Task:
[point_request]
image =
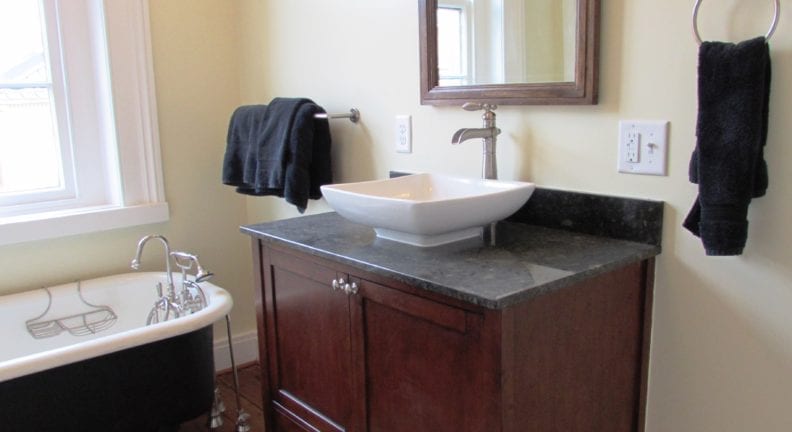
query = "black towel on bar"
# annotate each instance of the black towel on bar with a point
(728, 162)
(244, 126)
(279, 149)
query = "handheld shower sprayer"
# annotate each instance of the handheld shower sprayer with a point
(185, 262)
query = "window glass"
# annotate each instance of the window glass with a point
(29, 148)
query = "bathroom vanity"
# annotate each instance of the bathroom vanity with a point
(547, 331)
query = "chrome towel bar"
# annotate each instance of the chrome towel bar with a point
(353, 115)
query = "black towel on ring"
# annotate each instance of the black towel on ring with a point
(728, 162)
(279, 149)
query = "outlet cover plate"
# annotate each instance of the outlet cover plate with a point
(643, 146)
(403, 134)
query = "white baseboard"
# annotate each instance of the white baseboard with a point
(245, 350)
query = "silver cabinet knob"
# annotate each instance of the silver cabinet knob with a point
(341, 285)
(351, 289)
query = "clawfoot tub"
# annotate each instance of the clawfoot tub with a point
(80, 357)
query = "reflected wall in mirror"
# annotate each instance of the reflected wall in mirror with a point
(509, 52)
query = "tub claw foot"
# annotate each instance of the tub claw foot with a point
(215, 421)
(242, 424)
(216, 413)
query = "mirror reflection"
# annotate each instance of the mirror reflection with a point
(505, 41)
(509, 52)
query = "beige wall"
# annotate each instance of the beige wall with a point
(722, 341)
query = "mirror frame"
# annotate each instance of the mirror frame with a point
(583, 91)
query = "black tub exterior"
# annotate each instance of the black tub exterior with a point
(153, 387)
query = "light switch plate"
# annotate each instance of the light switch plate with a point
(642, 147)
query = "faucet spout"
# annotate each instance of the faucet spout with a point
(135, 264)
(489, 136)
(465, 134)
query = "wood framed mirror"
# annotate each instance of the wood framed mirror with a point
(509, 52)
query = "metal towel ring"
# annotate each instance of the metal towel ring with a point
(767, 36)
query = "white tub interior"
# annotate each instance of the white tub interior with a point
(131, 296)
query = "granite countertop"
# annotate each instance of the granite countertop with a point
(527, 261)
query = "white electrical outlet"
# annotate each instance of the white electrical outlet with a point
(633, 146)
(642, 147)
(403, 134)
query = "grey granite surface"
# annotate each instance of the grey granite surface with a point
(631, 219)
(527, 261)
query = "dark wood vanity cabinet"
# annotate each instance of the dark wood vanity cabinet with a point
(374, 354)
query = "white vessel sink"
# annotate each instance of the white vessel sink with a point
(427, 209)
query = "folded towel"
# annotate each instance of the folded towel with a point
(728, 162)
(279, 149)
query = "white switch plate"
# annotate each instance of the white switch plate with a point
(643, 147)
(403, 134)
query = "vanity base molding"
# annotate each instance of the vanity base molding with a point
(343, 349)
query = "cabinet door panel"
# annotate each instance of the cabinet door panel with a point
(312, 343)
(418, 370)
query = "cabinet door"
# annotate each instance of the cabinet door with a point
(308, 344)
(421, 362)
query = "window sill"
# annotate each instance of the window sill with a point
(44, 226)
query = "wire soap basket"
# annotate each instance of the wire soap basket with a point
(72, 313)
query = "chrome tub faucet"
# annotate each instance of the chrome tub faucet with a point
(190, 297)
(135, 264)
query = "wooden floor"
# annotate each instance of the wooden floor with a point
(250, 397)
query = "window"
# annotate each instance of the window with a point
(79, 150)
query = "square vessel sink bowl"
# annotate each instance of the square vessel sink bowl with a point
(427, 209)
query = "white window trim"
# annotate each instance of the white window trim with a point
(137, 135)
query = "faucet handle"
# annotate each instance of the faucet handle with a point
(476, 106)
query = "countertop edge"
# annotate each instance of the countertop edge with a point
(495, 304)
